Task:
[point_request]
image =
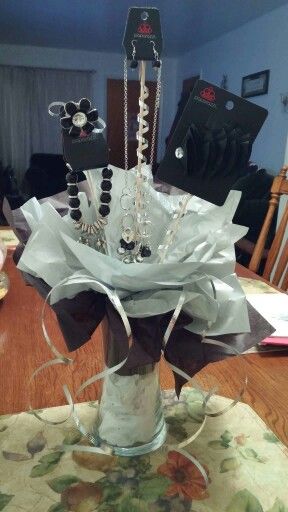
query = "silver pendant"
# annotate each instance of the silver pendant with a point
(84, 240)
(128, 259)
(128, 235)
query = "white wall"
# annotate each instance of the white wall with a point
(106, 65)
(258, 45)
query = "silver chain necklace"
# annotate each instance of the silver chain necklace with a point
(137, 231)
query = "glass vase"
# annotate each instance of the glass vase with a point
(131, 419)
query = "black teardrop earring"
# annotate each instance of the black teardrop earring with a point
(156, 62)
(134, 61)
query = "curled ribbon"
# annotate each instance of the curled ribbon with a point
(173, 228)
(61, 359)
(143, 124)
(206, 398)
(141, 196)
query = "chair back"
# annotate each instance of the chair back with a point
(278, 252)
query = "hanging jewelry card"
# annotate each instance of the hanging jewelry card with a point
(212, 143)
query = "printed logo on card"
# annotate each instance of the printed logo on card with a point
(208, 94)
(145, 29)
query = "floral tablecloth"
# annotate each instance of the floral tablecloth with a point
(250, 285)
(247, 465)
(9, 238)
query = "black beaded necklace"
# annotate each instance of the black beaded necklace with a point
(91, 234)
(77, 119)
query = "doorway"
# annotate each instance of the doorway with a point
(187, 88)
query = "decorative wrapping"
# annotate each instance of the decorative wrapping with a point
(202, 252)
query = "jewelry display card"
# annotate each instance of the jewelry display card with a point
(84, 146)
(212, 143)
(90, 152)
(142, 29)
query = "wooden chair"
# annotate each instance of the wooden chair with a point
(279, 187)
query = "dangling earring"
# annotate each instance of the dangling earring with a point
(156, 62)
(134, 61)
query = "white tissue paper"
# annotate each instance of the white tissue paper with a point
(202, 250)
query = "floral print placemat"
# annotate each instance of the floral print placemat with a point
(250, 285)
(9, 238)
(247, 465)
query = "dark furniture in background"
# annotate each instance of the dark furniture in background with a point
(45, 176)
(9, 188)
(280, 277)
(255, 186)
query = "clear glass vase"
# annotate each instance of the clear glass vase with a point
(131, 419)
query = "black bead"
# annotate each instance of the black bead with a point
(107, 173)
(123, 243)
(75, 215)
(71, 177)
(72, 190)
(145, 252)
(74, 202)
(134, 64)
(104, 210)
(156, 64)
(106, 185)
(130, 246)
(105, 197)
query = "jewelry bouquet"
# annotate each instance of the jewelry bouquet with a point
(158, 268)
(195, 275)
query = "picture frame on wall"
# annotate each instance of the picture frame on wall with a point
(255, 84)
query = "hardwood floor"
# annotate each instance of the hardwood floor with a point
(23, 349)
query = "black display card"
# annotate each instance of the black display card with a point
(212, 143)
(87, 152)
(143, 28)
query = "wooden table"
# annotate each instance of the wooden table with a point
(23, 349)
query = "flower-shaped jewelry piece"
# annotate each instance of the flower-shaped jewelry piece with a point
(78, 117)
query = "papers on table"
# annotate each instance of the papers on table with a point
(275, 341)
(273, 307)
